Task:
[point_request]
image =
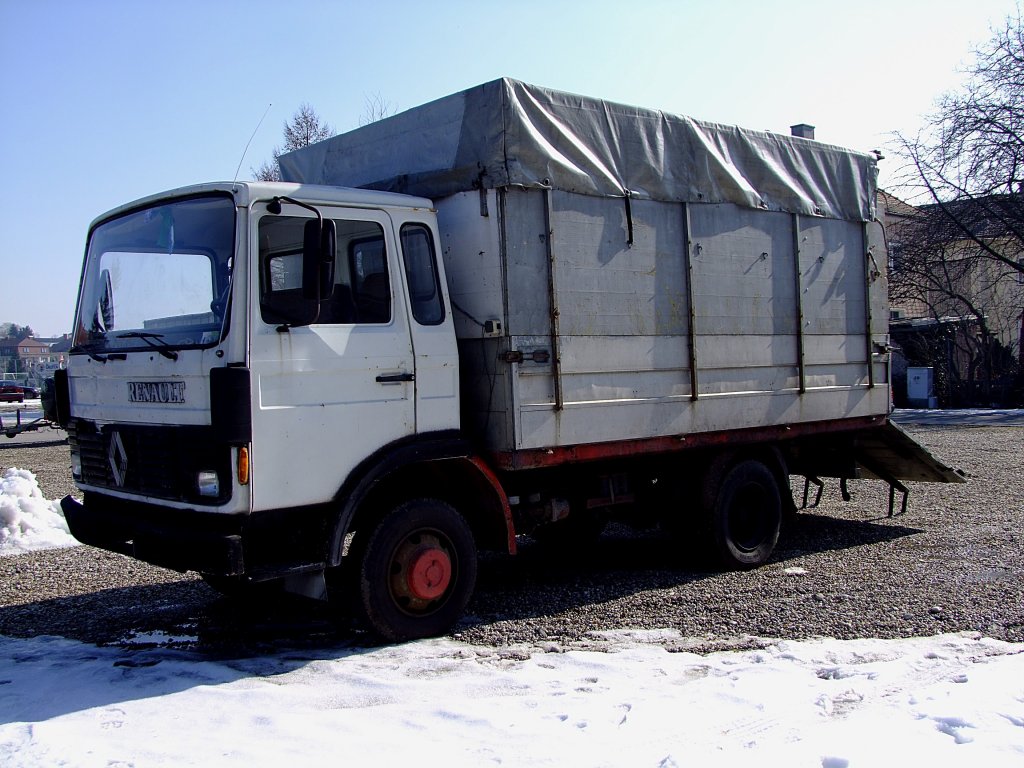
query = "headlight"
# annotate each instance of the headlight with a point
(208, 484)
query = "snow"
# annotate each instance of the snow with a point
(30, 409)
(623, 698)
(975, 417)
(942, 701)
(27, 520)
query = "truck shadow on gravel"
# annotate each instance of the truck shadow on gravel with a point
(8, 444)
(539, 582)
(542, 581)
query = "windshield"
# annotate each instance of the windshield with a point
(158, 277)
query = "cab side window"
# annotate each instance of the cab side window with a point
(368, 269)
(362, 286)
(422, 275)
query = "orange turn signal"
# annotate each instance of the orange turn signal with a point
(243, 466)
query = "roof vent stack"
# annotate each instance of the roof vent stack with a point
(802, 130)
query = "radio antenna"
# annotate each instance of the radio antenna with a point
(242, 158)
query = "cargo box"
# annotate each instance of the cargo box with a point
(621, 274)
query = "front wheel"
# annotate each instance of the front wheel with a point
(746, 516)
(417, 570)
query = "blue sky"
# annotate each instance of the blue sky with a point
(104, 101)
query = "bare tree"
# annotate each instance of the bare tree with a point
(268, 170)
(972, 148)
(303, 129)
(963, 256)
(375, 107)
(974, 303)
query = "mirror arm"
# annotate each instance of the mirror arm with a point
(274, 206)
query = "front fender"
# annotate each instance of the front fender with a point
(440, 465)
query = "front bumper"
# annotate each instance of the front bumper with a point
(182, 540)
(260, 545)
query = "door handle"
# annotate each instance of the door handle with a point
(395, 378)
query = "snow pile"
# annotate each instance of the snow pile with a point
(954, 700)
(28, 521)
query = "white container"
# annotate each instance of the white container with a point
(921, 387)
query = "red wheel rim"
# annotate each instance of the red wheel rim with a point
(422, 572)
(429, 573)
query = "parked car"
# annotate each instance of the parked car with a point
(31, 393)
(11, 393)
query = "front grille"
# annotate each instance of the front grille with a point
(157, 461)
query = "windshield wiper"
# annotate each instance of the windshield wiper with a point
(160, 345)
(98, 358)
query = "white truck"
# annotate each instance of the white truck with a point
(509, 311)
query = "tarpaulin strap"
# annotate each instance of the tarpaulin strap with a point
(629, 219)
(479, 184)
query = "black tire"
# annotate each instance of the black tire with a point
(416, 570)
(745, 516)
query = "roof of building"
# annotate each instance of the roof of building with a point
(986, 216)
(894, 206)
(24, 341)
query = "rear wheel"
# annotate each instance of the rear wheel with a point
(417, 570)
(746, 515)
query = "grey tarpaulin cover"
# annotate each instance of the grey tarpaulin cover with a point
(510, 133)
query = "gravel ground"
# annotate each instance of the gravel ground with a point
(953, 563)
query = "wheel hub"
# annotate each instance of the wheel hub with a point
(429, 573)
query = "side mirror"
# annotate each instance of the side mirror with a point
(318, 247)
(48, 399)
(103, 320)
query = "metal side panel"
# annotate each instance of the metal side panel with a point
(606, 421)
(832, 277)
(471, 250)
(889, 453)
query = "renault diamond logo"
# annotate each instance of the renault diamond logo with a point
(118, 459)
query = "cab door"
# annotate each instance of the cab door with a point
(333, 384)
(432, 327)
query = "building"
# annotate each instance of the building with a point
(31, 359)
(956, 298)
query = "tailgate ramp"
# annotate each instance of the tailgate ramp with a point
(888, 453)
